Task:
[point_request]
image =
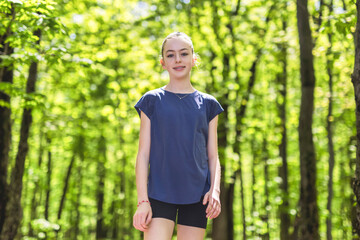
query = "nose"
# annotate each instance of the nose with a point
(177, 57)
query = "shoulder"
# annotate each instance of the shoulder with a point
(207, 97)
(212, 105)
(148, 101)
(155, 93)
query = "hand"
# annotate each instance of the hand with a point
(142, 217)
(213, 210)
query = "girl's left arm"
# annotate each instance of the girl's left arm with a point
(213, 196)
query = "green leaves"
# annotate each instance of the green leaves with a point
(44, 229)
(97, 58)
(33, 100)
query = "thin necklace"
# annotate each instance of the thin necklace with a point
(182, 96)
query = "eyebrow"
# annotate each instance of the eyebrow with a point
(179, 50)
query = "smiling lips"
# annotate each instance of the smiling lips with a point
(179, 68)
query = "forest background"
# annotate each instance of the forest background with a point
(71, 72)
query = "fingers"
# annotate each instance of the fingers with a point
(214, 209)
(137, 223)
(216, 212)
(209, 207)
(141, 220)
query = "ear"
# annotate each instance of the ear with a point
(194, 61)
(162, 63)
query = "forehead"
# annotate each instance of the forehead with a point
(176, 44)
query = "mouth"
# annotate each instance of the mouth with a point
(179, 68)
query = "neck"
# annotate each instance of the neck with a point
(180, 86)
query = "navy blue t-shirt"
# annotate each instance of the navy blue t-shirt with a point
(179, 170)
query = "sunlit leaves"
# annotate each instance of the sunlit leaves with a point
(45, 228)
(97, 58)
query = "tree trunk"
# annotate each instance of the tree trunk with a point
(6, 76)
(355, 78)
(48, 180)
(309, 225)
(220, 225)
(230, 210)
(283, 170)
(329, 128)
(115, 214)
(5, 134)
(66, 185)
(100, 233)
(13, 213)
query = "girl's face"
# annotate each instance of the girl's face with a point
(178, 58)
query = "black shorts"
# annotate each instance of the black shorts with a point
(193, 215)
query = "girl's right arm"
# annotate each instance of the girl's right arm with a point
(143, 214)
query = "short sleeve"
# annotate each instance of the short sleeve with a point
(214, 109)
(146, 105)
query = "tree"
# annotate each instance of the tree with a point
(329, 120)
(283, 169)
(309, 216)
(13, 211)
(22, 29)
(6, 77)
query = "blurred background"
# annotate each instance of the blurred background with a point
(72, 70)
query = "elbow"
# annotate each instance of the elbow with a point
(141, 160)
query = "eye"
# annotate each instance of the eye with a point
(184, 54)
(170, 55)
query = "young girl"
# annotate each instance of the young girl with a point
(178, 139)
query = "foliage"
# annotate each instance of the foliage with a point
(97, 58)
